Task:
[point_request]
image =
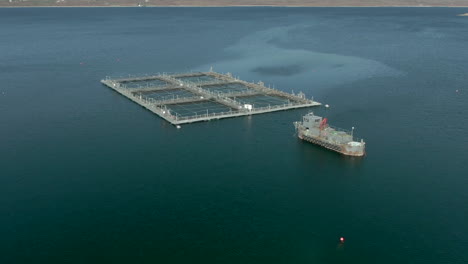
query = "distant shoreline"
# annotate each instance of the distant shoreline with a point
(217, 6)
(234, 3)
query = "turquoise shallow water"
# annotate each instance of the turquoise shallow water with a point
(89, 177)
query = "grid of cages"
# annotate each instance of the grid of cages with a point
(198, 108)
(227, 88)
(258, 101)
(167, 94)
(144, 83)
(198, 78)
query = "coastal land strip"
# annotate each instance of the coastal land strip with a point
(292, 3)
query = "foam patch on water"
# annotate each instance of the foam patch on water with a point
(257, 57)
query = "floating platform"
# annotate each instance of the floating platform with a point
(203, 96)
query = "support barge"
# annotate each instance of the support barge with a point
(315, 129)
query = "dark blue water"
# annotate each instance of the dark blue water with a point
(89, 177)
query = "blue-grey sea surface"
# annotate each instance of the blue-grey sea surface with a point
(87, 176)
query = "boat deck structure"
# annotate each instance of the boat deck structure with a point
(202, 96)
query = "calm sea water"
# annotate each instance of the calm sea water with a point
(89, 177)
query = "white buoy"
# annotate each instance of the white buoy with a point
(327, 106)
(178, 127)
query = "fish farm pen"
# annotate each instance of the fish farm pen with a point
(202, 96)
